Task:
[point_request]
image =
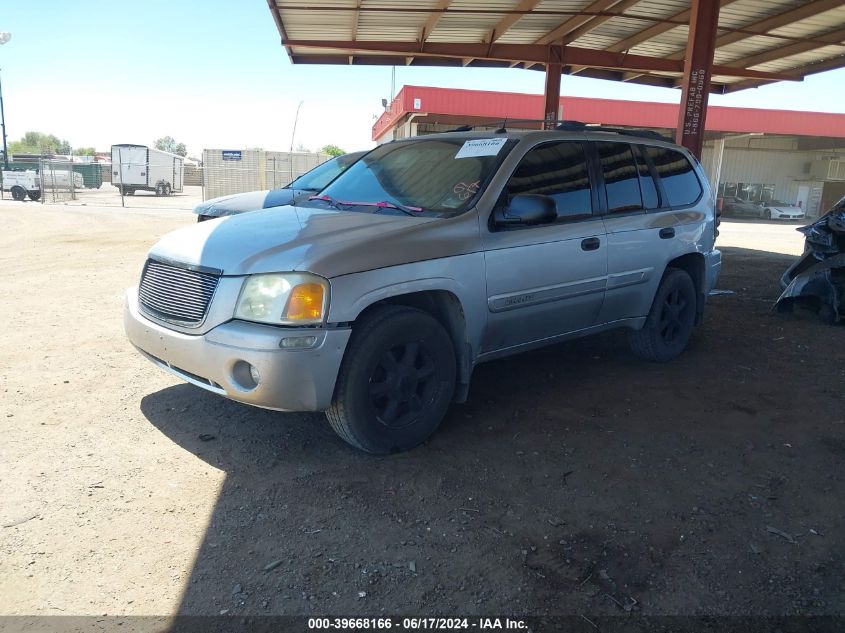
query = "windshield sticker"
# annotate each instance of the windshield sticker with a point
(466, 190)
(481, 147)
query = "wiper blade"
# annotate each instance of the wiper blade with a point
(332, 202)
(384, 204)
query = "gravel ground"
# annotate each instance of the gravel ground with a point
(576, 479)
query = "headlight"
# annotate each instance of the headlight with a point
(284, 299)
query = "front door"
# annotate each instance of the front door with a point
(546, 280)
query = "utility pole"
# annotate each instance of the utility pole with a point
(3, 124)
(5, 36)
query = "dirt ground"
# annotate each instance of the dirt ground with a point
(577, 479)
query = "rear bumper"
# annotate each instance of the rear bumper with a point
(290, 379)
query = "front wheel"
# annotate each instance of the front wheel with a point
(34, 195)
(767, 214)
(670, 320)
(18, 193)
(396, 381)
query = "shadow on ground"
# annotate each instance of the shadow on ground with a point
(576, 479)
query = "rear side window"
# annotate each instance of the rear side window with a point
(680, 184)
(621, 179)
(558, 170)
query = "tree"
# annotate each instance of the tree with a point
(169, 144)
(84, 151)
(39, 143)
(332, 150)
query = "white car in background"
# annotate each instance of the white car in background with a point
(779, 210)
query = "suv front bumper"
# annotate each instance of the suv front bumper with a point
(219, 360)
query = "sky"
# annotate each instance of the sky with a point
(213, 74)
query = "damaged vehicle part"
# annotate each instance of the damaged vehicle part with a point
(817, 279)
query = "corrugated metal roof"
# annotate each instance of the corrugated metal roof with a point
(783, 38)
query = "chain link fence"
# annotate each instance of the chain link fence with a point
(226, 172)
(59, 181)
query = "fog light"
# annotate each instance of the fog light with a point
(245, 375)
(297, 342)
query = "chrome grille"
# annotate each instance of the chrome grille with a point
(174, 294)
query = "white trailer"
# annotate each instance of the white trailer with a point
(22, 184)
(141, 168)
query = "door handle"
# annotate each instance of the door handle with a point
(590, 244)
(668, 233)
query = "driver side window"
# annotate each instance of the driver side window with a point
(558, 170)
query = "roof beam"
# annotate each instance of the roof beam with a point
(534, 53)
(596, 21)
(771, 23)
(512, 18)
(802, 71)
(782, 52)
(575, 21)
(777, 21)
(434, 18)
(652, 31)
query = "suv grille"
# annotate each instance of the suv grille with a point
(174, 294)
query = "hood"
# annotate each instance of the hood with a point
(249, 201)
(322, 241)
(788, 209)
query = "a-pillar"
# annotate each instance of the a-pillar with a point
(698, 65)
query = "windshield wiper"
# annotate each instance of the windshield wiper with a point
(384, 204)
(332, 202)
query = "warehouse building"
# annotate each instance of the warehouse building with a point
(755, 154)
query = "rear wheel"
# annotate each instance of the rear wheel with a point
(670, 320)
(18, 193)
(396, 381)
(159, 189)
(167, 189)
(35, 194)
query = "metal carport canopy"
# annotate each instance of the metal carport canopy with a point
(700, 46)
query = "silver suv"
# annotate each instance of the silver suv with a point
(374, 300)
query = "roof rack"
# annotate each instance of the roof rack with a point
(570, 126)
(580, 126)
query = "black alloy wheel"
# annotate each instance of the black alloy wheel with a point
(402, 384)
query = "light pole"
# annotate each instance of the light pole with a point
(292, 134)
(5, 36)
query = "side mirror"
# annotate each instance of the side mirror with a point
(526, 209)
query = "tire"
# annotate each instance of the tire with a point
(670, 321)
(18, 193)
(167, 189)
(767, 214)
(159, 189)
(396, 381)
(34, 195)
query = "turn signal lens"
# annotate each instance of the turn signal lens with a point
(305, 303)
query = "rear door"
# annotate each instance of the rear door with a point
(649, 194)
(546, 280)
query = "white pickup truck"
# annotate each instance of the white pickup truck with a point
(22, 184)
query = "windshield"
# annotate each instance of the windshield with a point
(431, 175)
(779, 203)
(322, 175)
